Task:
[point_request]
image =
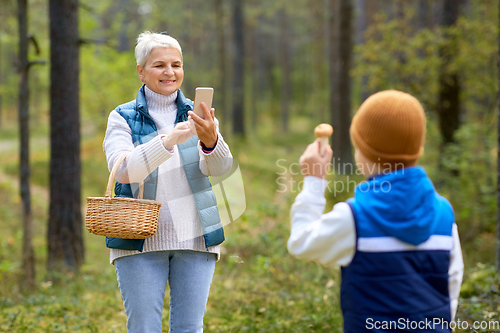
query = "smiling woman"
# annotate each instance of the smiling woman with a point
(162, 72)
(171, 157)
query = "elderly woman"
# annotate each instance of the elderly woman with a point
(171, 150)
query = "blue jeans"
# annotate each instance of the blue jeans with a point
(142, 279)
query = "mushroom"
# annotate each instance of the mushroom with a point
(323, 131)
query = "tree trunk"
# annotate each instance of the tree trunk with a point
(424, 17)
(254, 64)
(285, 69)
(400, 9)
(449, 84)
(1, 96)
(360, 21)
(65, 243)
(239, 69)
(367, 9)
(219, 21)
(262, 61)
(400, 55)
(371, 8)
(424, 20)
(123, 42)
(497, 261)
(437, 12)
(333, 73)
(340, 104)
(27, 280)
(449, 106)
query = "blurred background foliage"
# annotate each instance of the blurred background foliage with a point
(258, 287)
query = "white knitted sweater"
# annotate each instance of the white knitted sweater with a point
(179, 226)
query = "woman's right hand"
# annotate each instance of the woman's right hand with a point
(180, 134)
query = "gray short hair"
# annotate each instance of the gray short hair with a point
(148, 40)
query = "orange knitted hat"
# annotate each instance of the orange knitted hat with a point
(389, 127)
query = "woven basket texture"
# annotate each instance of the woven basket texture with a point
(126, 218)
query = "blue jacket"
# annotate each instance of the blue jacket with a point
(399, 273)
(143, 130)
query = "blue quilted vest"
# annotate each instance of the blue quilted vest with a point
(398, 278)
(143, 130)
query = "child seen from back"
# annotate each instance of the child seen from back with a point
(396, 240)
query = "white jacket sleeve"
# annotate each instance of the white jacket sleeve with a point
(455, 272)
(141, 161)
(330, 238)
(219, 160)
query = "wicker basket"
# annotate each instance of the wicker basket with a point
(126, 218)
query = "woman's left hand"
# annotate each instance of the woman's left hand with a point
(205, 128)
(180, 134)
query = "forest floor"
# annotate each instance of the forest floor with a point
(257, 287)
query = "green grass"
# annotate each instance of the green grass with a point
(257, 287)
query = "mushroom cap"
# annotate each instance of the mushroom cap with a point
(323, 130)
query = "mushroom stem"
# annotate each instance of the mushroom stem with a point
(323, 142)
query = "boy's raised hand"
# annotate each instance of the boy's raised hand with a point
(312, 163)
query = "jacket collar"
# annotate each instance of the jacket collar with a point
(140, 101)
(183, 106)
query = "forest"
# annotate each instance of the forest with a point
(278, 69)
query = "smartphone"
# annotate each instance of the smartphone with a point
(205, 95)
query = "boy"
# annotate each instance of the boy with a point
(396, 240)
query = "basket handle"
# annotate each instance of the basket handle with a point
(112, 175)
